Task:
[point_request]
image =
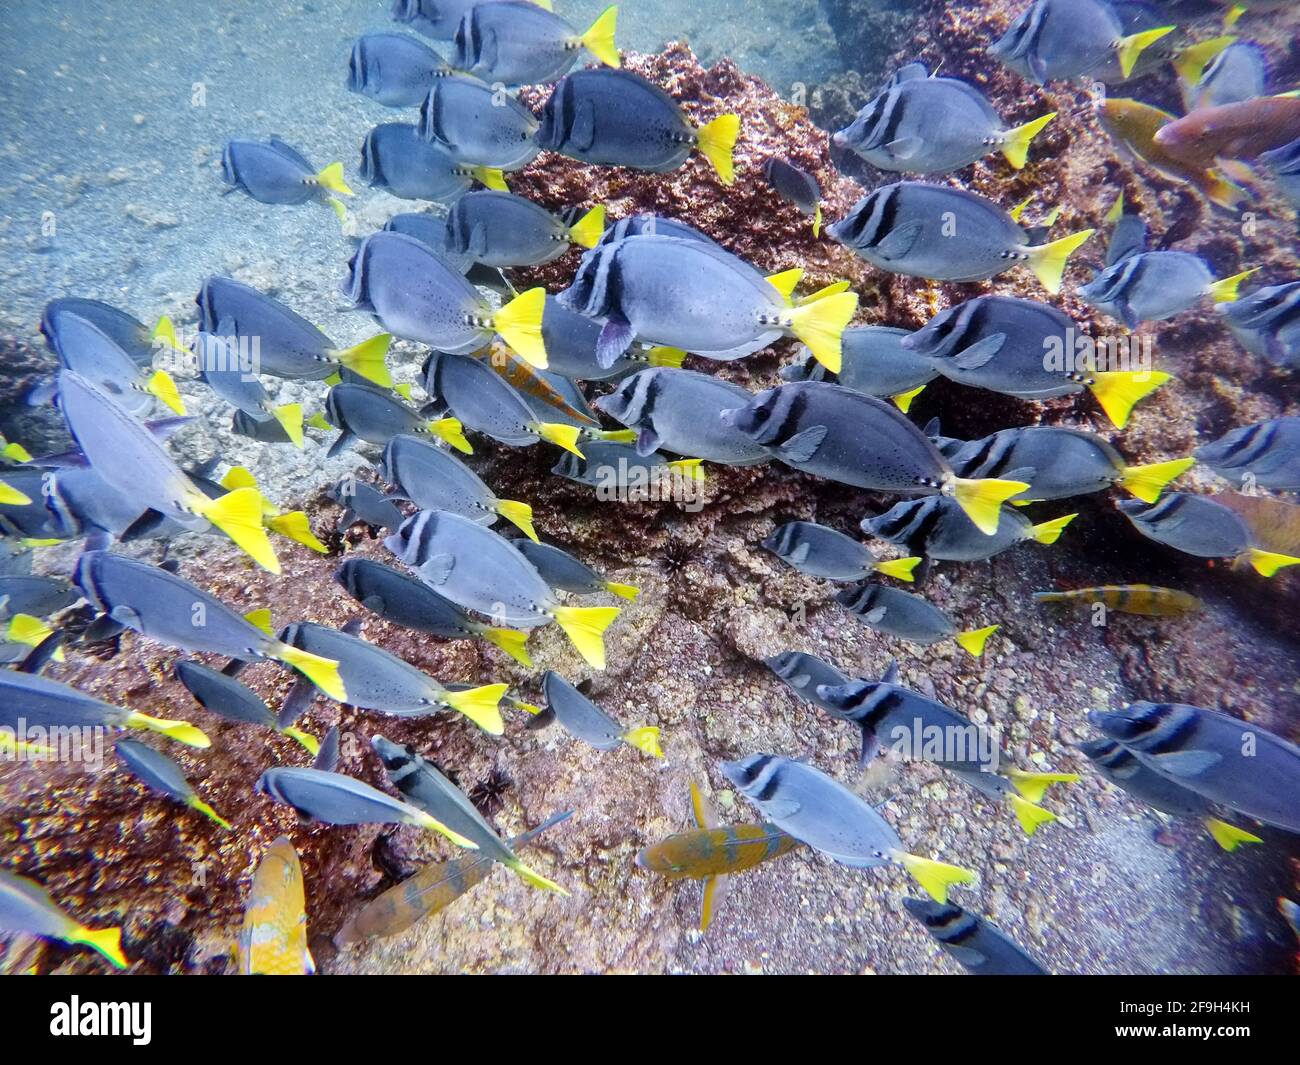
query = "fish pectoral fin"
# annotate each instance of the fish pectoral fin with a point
(715, 891)
(647, 441)
(615, 338)
(1030, 815)
(127, 617)
(702, 809)
(802, 446)
(1187, 763)
(476, 246)
(965, 955)
(582, 133)
(778, 809)
(905, 147)
(876, 615)
(981, 354)
(900, 241)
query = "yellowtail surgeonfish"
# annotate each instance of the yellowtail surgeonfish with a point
(25, 906)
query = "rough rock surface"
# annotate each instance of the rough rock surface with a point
(1100, 891)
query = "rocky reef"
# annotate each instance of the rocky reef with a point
(1105, 889)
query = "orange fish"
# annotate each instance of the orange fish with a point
(273, 941)
(1242, 130)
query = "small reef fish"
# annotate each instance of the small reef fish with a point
(1001, 343)
(161, 606)
(1133, 126)
(1227, 760)
(162, 774)
(979, 947)
(854, 439)
(1204, 527)
(394, 157)
(572, 342)
(946, 234)
(938, 527)
(335, 799)
(436, 19)
(480, 571)
(365, 503)
(1127, 772)
(26, 907)
(823, 814)
(795, 185)
(687, 294)
(819, 551)
(713, 852)
(35, 596)
(888, 712)
(622, 467)
(362, 412)
(393, 69)
(1236, 74)
(1129, 235)
(220, 370)
(873, 361)
(583, 719)
(273, 938)
(430, 890)
(517, 42)
(402, 600)
(1147, 600)
(924, 124)
(434, 479)
(229, 698)
(1240, 131)
(417, 296)
(478, 124)
(1151, 286)
(1267, 322)
(38, 701)
(909, 617)
(85, 349)
(141, 342)
(1059, 40)
(501, 229)
(1265, 454)
(287, 344)
(803, 674)
(565, 573)
(425, 787)
(273, 172)
(378, 680)
(679, 411)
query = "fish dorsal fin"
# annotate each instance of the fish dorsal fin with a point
(891, 674)
(327, 759)
(705, 815)
(352, 626)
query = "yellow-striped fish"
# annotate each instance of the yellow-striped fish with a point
(1146, 599)
(713, 852)
(273, 941)
(432, 889)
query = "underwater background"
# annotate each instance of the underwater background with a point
(112, 121)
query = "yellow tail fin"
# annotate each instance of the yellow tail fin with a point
(527, 708)
(982, 500)
(817, 222)
(107, 941)
(260, 619)
(903, 401)
(322, 672)
(11, 497)
(336, 205)
(786, 282)
(1191, 62)
(289, 415)
(1225, 291)
(404, 390)
(14, 452)
(295, 526)
(367, 359)
(973, 642)
(1267, 563)
(821, 325)
(512, 643)
(195, 803)
(662, 356)
(645, 739)
(1147, 482)
(422, 820)
(717, 140)
(164, 332)
(490, 178)
(599, 40)
(1131, 47)
(545, 5)
(1031, 817)
(519, 515)
(1033, 786)
(451, 430)
(1220, 191)
(331, 177)
(901, 569)
(691, 469)
(830, 290)
(238, 514)
(1048, 532)
(1048, 261)
(161, 386)
(180, 731)
(309, 742)
(25, 629)
(531, 876)
(565, 436)
(1017, 212)
(520, 324)
(585, 626)
(623, 591)
(1116, 211)
(589, 228)
(1118, 391)
(317, 421)
(481, 705)
(935, 877)
(1227, 836)
(1015, 146)
(1234, 15)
